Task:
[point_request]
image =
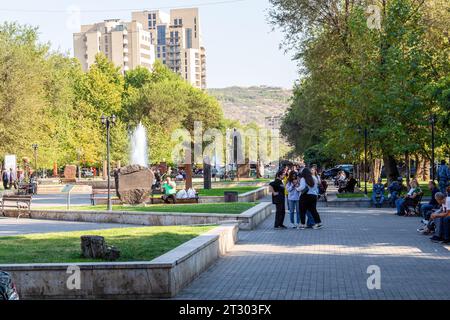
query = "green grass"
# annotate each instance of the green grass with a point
(242, 181)
(219, 208)
(350, 195)
(135, 244)
(423, 185)
(221, 191)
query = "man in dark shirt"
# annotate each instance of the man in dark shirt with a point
(427, 209)
(278, 198)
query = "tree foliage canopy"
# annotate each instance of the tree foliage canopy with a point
(390, 80)
(46, 98)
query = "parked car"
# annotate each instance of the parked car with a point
(331, 173)
(348, 168)
(7, 288)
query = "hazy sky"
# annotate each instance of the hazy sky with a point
(241, 48)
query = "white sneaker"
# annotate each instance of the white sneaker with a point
(317, 226)
(293, 226)
(301, 227)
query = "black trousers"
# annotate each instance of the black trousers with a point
(170, 196)
(279, 213)
(308, 202)
(5, 184)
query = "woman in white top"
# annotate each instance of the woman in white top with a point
(309, 189)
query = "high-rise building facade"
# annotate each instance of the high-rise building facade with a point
(177, 41)
(126, 44)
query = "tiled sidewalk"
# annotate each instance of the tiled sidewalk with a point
(330, 263)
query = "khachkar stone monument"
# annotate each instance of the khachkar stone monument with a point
(134, 184)
(70, 173)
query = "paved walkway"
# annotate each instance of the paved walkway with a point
(14, 227)
(330, 263)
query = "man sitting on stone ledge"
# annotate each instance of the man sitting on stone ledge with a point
(169, 189)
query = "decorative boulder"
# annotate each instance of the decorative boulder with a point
(134, 184)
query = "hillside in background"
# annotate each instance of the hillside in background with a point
(252, 104)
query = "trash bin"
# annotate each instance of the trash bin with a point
(231, 196)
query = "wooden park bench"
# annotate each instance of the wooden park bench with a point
(96, 192)
(26, 188)
(177, 201)
(22, 203)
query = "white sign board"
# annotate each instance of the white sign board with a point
(10, 162)
(67, 188)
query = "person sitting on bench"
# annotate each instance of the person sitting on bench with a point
(409, 200)
(169, 189)
(395, 189)
(378, 194)
(349, 186)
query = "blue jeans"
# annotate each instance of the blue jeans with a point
(426, 210)
(310, 222)
(393, 198)
(446, 228)
(398, 204)
(294, 207)
(378, 200)
(443, 186)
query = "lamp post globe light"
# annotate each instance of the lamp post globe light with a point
(108, 122)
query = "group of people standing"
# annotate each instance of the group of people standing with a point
(301, 187)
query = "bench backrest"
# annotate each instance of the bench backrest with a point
(103, 191)
(19, 197)
(418, 198)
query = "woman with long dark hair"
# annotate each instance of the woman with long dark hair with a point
(309, 189)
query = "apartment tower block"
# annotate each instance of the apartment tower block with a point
(173, 38)
(126, 44)
(177, 41)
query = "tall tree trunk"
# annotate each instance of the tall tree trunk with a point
(426, 169)
(408, 168)
(419, 167)
(377, 169)
(390, 167)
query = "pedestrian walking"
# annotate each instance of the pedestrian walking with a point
(5, 179)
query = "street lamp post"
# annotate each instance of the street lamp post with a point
(433, 123)
(79, 163)
(35, 148)
(366, 138)
(108, 122)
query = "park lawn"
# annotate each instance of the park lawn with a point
(242, 181)
(350, 195)
(219, 208)
(221, 191)
(423, 185)
(135, 244)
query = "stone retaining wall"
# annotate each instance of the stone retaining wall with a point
(248, 219)
(162, 277)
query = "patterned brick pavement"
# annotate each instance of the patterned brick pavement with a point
(330, 263)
